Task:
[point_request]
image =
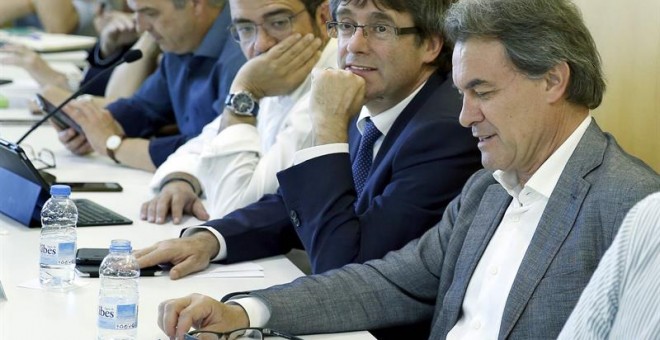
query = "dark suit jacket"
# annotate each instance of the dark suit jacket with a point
(423, 162)
(428, 278)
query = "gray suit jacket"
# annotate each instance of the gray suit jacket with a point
(428, 278)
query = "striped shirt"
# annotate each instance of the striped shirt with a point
(622, 300)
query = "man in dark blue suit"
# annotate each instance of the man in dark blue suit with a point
(370, 183)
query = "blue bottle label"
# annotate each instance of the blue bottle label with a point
(118, 316)
(58, 253)
(67, 253)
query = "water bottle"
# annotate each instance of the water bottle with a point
(118, 296)
(58, 239)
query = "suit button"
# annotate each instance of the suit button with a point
(293, 215)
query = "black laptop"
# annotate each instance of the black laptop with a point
(23, 191)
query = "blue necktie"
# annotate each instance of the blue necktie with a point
(364, 157)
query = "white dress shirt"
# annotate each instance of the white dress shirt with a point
(489, 287)
(239, 165)
(622, 299)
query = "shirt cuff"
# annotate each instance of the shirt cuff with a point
(255, 308)
(222, 254)
(318, 151)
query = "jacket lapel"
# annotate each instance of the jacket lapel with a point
(399, 125)
(556, 223)
(415, 105)
(488, 216)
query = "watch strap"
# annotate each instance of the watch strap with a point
(251, 113)
(111, 152)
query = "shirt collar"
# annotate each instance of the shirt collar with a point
(216, 37)
(385, 119)
(546, 177)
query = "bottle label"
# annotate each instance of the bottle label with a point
(58, 253)
(118, 316)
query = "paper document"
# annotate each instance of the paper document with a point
(18, 116)
(246, 269)
(46, 42)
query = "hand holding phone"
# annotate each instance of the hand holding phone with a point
(61, 119)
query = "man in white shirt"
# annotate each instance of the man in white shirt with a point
(512, 253)
(622, 300)
(235, 158)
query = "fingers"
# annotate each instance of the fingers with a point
(178, 204)
(74, 142)
(199, 211)
(141, 252)
(175, 198)
(153, 255)
(187, 254)
(168, 315)
(151, 209)
(188, 266)
(144, 209)
(294, 52)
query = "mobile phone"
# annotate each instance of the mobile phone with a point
(91, 256)
(5, 81)
(94, 186)
(88, 261)
(60, 118)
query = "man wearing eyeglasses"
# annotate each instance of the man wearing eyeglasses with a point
(511, 254)
(369, 184)
(235, 159)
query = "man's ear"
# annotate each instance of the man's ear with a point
(199, 6)
(321, 17)
(323, 14)
(556, 80)
(432, 45)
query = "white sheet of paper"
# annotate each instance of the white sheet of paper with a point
(34, 284)
(245, 269)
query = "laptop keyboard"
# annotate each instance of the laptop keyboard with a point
(92, 214)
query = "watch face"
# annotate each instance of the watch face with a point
(113, 142)
(242, 103)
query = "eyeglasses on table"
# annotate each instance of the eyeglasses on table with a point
(253, 333)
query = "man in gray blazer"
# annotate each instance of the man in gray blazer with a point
(513, 252)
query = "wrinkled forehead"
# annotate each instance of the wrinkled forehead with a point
(252, 10)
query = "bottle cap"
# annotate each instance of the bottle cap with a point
(121, 245)
(60, 190)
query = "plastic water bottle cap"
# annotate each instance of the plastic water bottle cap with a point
(121, 245)
(60, 190)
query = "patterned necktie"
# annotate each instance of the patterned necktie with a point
(364, 157)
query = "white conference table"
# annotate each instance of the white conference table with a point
(40, 314)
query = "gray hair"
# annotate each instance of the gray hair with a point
(537, 35)
(182, 3)
(427, 16)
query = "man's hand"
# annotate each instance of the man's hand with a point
(187, 254)
(21, 56)
(73, 141)
(177, 316)
(280, 70)
(177, 198)
(336, 96)
(119, 30)
(98, 124)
